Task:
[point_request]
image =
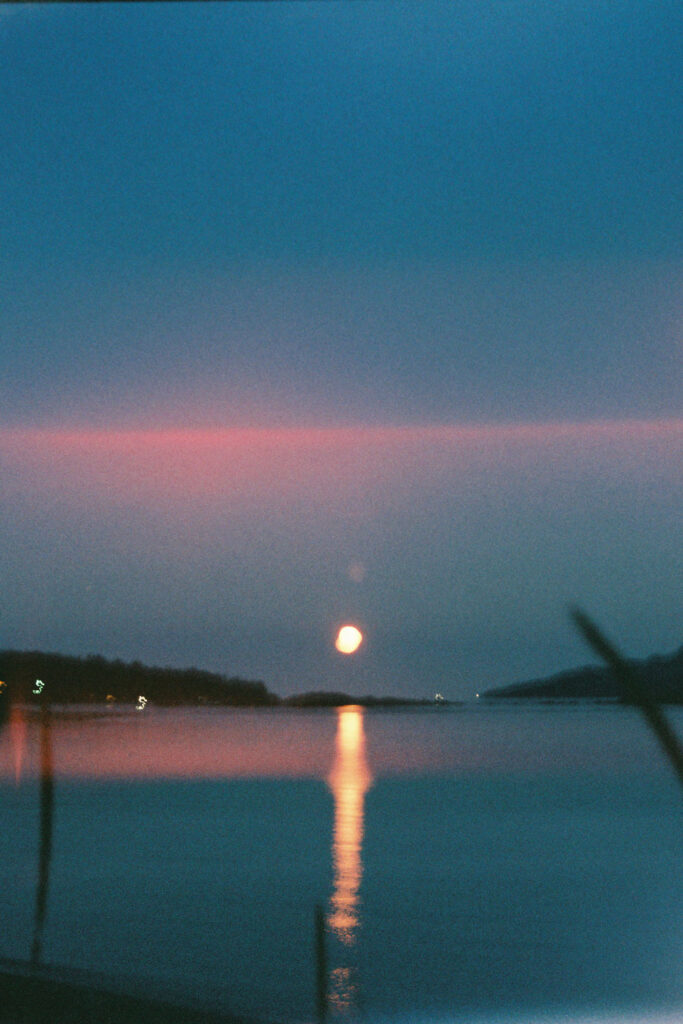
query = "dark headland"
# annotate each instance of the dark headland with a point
(93, 679)
(661, 678)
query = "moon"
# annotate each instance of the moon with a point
(349, 639)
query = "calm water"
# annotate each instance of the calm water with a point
(476, 863)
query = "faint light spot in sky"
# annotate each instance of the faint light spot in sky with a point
(356, 572)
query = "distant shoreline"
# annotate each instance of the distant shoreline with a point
(661, 678)
(33, 677)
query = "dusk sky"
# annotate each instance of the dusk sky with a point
(315, 313)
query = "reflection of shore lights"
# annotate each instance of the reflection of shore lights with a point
(348, 640)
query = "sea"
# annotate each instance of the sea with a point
(487, 862)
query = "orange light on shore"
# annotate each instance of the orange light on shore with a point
(349, 639)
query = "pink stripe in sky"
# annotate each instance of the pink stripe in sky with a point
(128, 441)
(304, 466)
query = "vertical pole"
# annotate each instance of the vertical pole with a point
(46, 805)
(320, 963)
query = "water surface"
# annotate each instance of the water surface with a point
(485, 862)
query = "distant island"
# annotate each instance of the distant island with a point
(95, 680)
(329, 699)
(661, 676)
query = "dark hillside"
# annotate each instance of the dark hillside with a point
(661, 676)
(69, 680)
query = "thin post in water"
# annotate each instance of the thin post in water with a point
(46, 809)
(320, 963)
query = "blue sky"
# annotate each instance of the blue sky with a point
(313, 215)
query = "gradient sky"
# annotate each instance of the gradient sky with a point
(314, 311)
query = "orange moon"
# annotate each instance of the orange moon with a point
(348, 640)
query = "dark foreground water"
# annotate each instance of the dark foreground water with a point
(481, 863)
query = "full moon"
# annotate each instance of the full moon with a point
(348, 640)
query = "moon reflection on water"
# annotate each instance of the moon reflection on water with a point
(349, 780)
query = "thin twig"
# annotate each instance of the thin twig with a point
(632, 690)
